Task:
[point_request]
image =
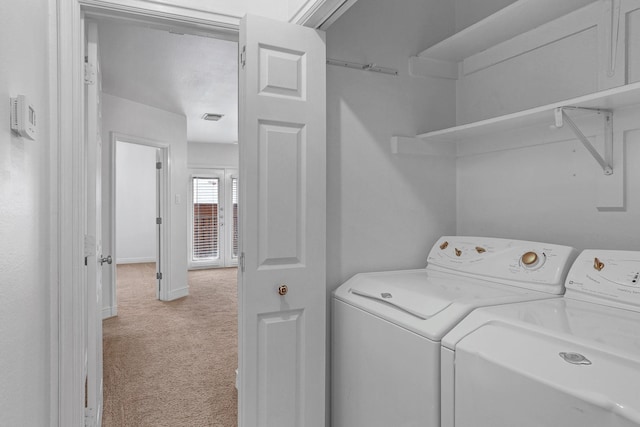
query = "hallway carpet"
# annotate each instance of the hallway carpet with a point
(171, 363)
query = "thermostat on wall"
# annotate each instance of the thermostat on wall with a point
(23, 117)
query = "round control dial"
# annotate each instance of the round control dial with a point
(532, 260)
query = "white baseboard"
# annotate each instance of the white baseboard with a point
(108, 312)
(135, 260)
(178, 293)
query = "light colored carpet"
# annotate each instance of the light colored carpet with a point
(171, 363)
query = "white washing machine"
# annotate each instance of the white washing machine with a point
(572, 361)
(387, 327)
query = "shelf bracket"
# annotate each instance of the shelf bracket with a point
(606, 162)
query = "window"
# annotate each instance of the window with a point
(214, 222)
(234, 205)
(206, 203)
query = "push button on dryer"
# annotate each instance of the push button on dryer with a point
(575, 358)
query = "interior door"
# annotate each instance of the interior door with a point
(94, 259)
(282, 290)
(159, 219)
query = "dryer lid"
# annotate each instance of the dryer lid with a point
(575, 374)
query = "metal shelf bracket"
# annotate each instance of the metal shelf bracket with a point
(606, 163)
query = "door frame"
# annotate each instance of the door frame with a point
(162, 291)
(68, 175)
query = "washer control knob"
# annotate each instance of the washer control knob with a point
(444, 245)
(529, 259)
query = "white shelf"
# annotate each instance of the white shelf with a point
(517, 18)
(611, 99)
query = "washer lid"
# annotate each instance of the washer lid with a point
(557, 371)
(428, 303)
(405, 295)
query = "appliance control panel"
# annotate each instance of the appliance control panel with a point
(608, 274)
(503, 260)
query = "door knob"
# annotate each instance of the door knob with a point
(282, 290)
(106, 259)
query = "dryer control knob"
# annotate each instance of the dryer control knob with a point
(529, 259)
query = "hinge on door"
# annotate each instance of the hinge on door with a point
(243, 56)
(242, 261)
(159, 165)
(89, 417)
(159, 276)
(158, 220)
(89, 74)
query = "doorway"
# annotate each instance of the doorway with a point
(71, 149)
(147, 120)
(137, 212)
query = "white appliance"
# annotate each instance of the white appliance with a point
(387, 327)
(572, 361)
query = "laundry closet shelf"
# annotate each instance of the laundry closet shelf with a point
(610, 99)
(517, 18)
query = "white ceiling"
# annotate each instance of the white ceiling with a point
(182, 73)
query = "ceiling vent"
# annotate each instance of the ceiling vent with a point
(212, 117)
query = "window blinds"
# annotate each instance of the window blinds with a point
(234, 203)
(206, 236)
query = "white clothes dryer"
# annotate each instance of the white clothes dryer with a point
(572, 361)
(387, 327)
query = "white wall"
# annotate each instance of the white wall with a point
(205, 155)
(384, 211)
(545, 187)
(468, 12)
(135, 203)
(137, 120)
(547, 193)
(25, 283)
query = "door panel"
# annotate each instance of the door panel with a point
(280, 147)
(282, 217)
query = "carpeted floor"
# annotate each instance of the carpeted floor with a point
(171, 363)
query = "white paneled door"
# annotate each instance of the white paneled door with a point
(94, 258)
(281, 280)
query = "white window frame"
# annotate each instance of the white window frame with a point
(225, 232)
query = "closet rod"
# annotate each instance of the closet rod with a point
(365, 67)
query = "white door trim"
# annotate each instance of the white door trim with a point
(68, 177)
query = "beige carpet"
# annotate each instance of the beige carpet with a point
(171, 363)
